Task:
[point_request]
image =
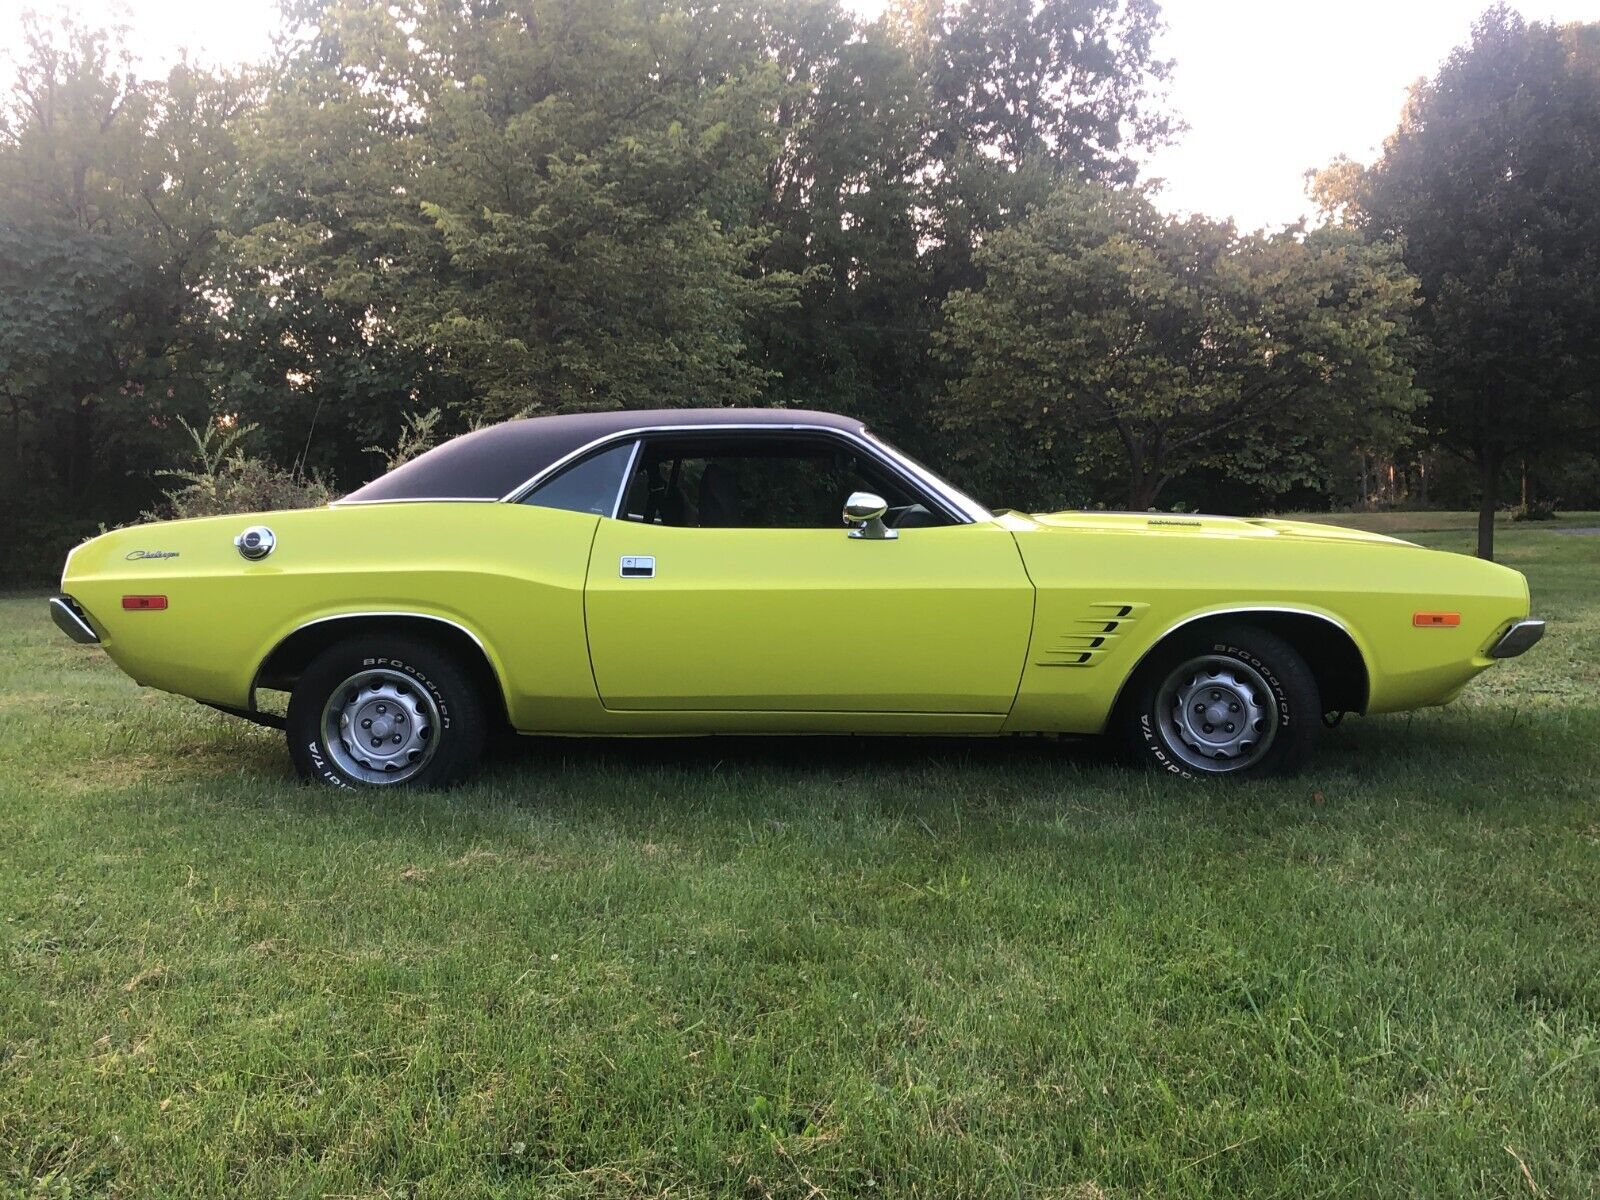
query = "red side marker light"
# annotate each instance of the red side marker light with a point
(1435, 620)
(144, 603)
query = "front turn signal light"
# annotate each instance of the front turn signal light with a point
(1435, 620)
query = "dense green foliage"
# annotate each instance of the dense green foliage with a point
(932, 220)
(222, 479)
(827, 968)
(520, 208)
(112, 196)
(1492, 187)
(1107, 333)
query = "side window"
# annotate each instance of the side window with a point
(587, 486)
(759, 482)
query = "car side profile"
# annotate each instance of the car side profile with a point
(727, 571)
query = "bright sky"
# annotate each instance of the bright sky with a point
(1269, 88)
(1272, 88)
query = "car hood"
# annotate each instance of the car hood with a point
(1200, 525)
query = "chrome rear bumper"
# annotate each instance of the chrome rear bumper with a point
(1520, 637)
(70, 618)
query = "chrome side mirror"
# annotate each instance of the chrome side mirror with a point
(865, 511)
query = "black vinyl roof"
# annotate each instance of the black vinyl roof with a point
(491, 463)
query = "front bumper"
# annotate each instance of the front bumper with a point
(70, 618)
(1521, 637)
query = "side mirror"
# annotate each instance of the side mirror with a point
(865, 511)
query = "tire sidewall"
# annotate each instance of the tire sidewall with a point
(1294, 692)
(460, 711)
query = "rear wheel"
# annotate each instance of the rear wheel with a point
(385, 712)
(1237, 702)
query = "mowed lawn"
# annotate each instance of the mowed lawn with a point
(813, 968)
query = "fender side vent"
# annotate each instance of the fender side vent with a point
(1094, 633)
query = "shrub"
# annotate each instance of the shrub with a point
(1535, 510)
(227, 480)
(418, 435)
(35, 539)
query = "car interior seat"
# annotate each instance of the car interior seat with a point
(719, 506)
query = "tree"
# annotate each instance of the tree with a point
(541, 207)
(903, 142)
(1024, 94)
(840, 203)
(1073, 82)
(1489, 185)
(1108, 334)
(111, 197)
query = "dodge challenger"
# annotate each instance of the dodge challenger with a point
(727, 571)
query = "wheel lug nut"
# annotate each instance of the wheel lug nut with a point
(1228, 727)
(367, 724)
(377, 742)
(383, 708)
(1233, 708)
(1208, 729)
(397, 737)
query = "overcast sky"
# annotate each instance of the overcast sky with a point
(1268, 88)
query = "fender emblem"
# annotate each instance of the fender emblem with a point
(134, 555)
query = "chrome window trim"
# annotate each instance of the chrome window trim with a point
(418, 500)
(883, 455)
(627, 479)
(959, 502)
(526, 491)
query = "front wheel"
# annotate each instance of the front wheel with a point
(1237, 702)
(385, 712)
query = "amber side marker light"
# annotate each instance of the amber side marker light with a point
(1435, 620)
(144, 603)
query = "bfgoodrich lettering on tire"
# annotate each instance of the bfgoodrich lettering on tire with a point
(1229, 701)
(385, 712)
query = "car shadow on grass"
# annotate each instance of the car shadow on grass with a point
(1374, 746)
(803, 756)
(1377, 745)
(1429, 761)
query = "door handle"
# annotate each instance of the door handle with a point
(638, 566)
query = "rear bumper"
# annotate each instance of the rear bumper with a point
(70, 618)
(1522, 636)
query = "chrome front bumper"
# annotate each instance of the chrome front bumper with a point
(70, 618)
(1520, 637)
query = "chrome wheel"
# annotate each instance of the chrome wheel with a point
(1218, 714)
(380, 726)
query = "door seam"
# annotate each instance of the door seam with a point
(588, 646)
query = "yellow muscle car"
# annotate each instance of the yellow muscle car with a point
(687, 572)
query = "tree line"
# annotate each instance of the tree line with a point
(418, 217)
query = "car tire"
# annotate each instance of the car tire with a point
(1231, 702)
(386, 712)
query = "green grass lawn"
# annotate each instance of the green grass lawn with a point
(813, 968)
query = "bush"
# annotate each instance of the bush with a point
(1535, 510)
(227, 480)
(34, 542)
(419, 433)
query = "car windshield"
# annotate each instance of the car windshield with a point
(947, 490)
